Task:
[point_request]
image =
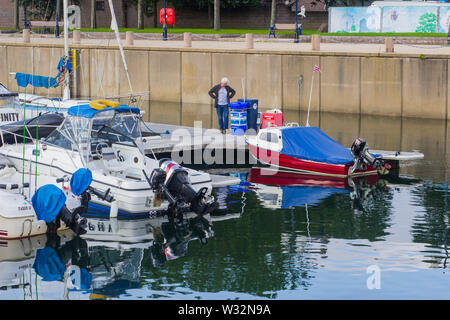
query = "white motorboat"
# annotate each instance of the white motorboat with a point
(18, 218)
(109, 143)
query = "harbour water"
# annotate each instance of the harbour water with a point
(266, 240)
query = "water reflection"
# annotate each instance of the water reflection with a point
(105, 263)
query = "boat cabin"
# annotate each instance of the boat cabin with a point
(108, 139)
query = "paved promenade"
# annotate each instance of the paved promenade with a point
(231, 44)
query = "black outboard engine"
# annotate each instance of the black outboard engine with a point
(171, 182)
(80, 185)
(363, 157)
(49, 202)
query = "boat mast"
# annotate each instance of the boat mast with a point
(115, 27)
(66, 95)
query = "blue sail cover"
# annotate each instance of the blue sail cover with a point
(48, 202)
(24, 79)
(298, 196)
(309, 143)
(80, 181)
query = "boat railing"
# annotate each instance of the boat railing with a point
(292, 124)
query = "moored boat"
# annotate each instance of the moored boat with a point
(304, 149)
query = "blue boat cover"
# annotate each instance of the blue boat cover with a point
(298, 196)
(48, 202)
(24, 79)
(80, 181)
(86, 111)
(310, 143)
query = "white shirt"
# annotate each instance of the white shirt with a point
(223, 97)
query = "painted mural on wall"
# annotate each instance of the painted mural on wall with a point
(409, 19)
(394, 19)
(355, 19)
(444, 19)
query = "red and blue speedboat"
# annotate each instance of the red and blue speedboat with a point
(308, 150)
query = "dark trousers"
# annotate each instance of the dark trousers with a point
(222, 114)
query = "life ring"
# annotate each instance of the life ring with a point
(102, 104)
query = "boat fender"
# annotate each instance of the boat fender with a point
(113, 212)
(102, 104)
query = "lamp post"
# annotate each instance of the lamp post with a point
(296, 22)
(165, 24)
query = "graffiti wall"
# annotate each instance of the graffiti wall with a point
(409, 19)
(355, 19)
(444, 19)
(389, 19)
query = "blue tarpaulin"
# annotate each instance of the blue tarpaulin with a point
(80, 181)
(310, 143)
(48, 202)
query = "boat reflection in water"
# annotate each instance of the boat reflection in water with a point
(103, 263)
(279, 189)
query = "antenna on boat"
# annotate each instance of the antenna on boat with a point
(309, 104)
(115, 27)
(66, 95)
(299, 85)
(316, 68)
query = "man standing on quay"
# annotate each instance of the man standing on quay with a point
(222, 93)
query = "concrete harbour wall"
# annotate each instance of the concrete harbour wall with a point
(374, 84)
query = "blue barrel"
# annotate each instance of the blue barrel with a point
(238, 117)
(252, 114)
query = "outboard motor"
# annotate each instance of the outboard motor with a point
(362, 157)
(49, 203)
(80, 185)
(171, 182)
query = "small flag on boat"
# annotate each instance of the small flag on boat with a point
(316, 68)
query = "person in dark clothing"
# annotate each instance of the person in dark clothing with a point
(222, 93)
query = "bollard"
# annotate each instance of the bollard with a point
(26, 35)
(129, 38)
(76, 36)
(249, 41)
(389, 43)
(315, 42)
(187, 39)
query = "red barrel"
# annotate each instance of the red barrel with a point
(170, 16)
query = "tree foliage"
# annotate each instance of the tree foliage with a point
(41, 9)
(226, 4)
(145, 4)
